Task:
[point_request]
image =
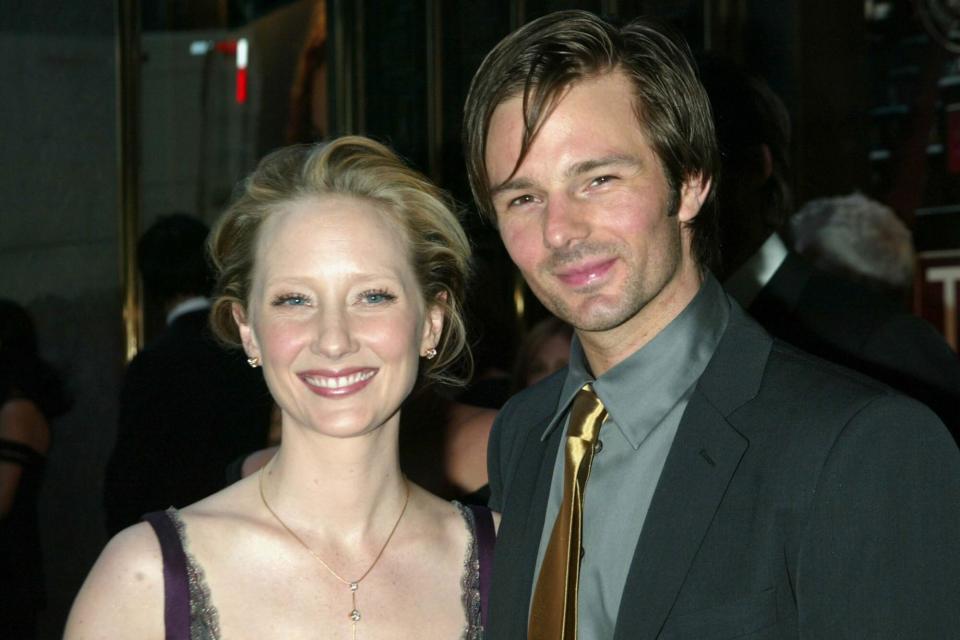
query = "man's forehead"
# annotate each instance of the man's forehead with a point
(506, 121)
(593, 130)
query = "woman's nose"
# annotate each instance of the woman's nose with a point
(333, 338)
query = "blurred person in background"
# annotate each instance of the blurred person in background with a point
(859, 239)
(544, 350)
(819, 311)
(188, 406)
(31, 395)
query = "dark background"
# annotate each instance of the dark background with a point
(868, 89)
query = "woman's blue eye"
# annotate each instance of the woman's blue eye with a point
(292, 299)
(378, 297)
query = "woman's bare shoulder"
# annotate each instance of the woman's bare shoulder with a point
(122, 596)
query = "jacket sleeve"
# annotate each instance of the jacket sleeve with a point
(494, 463)
(880, 557)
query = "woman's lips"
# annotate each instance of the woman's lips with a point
(587, 274)
(333, 384)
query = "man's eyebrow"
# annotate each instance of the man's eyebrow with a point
(587, 166)
(510, 185)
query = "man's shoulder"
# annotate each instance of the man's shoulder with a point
(529, 409)
(538, 399)
(791, 385)
(811, 402)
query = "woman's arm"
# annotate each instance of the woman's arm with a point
(20, 422)
(122, 596)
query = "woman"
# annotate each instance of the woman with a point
(341, 272)
(30, 395)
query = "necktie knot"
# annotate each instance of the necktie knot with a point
(586, 415)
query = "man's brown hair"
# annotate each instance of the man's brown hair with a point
(541, 59)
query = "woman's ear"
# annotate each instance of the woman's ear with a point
(247, 337)
(433, 324)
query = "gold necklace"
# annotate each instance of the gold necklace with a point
(353, 585)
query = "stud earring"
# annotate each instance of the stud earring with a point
(253, 362)
(430, 354)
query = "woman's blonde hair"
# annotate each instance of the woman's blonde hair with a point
(362, 168)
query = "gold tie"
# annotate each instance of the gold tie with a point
(553, 615)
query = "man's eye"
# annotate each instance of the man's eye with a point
(522, 200)
(596, 182)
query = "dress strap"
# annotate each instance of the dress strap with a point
(176, 586)
(486, 539)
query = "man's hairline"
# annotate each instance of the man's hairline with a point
(636, 99)
(523, 90)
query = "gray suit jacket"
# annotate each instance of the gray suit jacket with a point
(799, 499)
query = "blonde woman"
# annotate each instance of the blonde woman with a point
(341, 273)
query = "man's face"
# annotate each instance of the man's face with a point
(586, 216)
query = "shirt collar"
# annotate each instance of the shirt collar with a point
(644, 387)
(746, 282)
(187, 306)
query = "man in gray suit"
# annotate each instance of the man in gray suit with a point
(738, 488)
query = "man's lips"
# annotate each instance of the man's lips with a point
(337, 383)
(585, 274)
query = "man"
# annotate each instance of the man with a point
(738, 487)
(188, 406)
(819, 312)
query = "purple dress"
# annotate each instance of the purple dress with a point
(190, 615)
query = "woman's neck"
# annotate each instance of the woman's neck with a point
(343, 488)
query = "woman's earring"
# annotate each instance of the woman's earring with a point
(430, 354)
(253, 362)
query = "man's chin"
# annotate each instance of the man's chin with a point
(593, 315)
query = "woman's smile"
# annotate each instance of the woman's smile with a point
(338, 384)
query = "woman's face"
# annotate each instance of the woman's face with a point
(336, 315)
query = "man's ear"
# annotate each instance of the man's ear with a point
(247, 337)
(433, 324)
(693, 194)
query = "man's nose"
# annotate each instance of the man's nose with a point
(564, 222)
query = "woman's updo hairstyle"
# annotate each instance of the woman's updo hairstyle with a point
(361, 168)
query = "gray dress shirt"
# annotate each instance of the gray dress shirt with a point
(645, 397)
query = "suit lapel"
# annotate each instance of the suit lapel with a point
(702, 460)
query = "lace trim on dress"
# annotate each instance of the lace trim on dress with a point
(470, 580)
(204, 618)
